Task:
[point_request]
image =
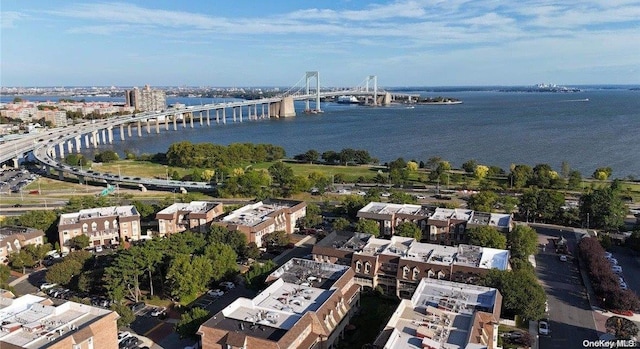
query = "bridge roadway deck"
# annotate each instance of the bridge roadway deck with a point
(42, 144)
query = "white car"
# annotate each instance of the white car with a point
(215, 293)
(563, 258)
(47, 286)
(543, 327)
(385, 194)
(420, 197)
(123, 335)
(158, 311)
(98, 249)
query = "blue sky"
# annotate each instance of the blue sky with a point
(273, 43)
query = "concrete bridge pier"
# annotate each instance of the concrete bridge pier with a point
(52, 153)
(157, 125)
(234, 114)
(175, 122)
(94, 138)
(122, 132)
(139, 128)
(166, 123)
(208, 119)
(104, 136)
(129, 130)
(224, 115)
(255, 111)
(86, 141)
(201, 118)
(148, 126)
(16, 163)
(248, 112)
(61, 175)
(110, 134)
(184, 120)
(69, 146)
(218, 116)
(240, 113)
(78, 143)
(262, 115)
(191, 120)
(61, 150)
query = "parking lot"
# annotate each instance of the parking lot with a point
(13, 180)
(570, 315)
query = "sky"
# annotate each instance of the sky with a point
(273, 43)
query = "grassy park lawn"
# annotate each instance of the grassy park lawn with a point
(141, 169)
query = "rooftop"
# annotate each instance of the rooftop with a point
(33, 322)
(9, 231)
(391, 209)
(439, 314)
(193, 206)
(301, 286)
(111, 211)
(254, 214)
(346, 241)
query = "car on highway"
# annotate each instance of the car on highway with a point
(420, 197)
(543, 327)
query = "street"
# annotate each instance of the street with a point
(570, 315)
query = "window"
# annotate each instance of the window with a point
(85, 227)
(405, 272)
(115, 224)
(416, 272)
(106, 225)
(367, 267)
(358, 266)
(94, 226)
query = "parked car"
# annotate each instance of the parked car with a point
(137, 306)
(215, 293)
(47, 286)
(543, 327)
(129, 342)
(123, 335)
(158, 311)
(228, 285)
(563, 258)
(98, 249)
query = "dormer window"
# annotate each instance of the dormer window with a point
(416, 272)
(367, 267)
(405, 272)
(85, 227)
(358, 266)
(94, 226)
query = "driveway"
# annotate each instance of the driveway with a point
(571, 318)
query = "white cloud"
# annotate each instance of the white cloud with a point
(8, 19)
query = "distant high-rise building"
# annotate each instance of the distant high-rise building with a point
(145, 99)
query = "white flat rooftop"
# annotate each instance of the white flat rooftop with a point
(111, 211)
(193, 206)
(253, 214)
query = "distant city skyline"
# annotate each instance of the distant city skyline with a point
(249, 43)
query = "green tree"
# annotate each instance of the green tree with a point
(522, 241)
(520, 175)
(38, 219)
(622, 328)
(21, 260)
(521, 292)
(470, 166)
(481, 171)
(281, 174)
(190, 322)
(341, 224)
(123, 276)
(603, 208)
(62, 273)
(233, 238)
(252, 251)
(313, 217)
(412, 166)
(484, 201)
(368, 226)
(487, 237)
(351, 204)
(5, 272)
(574, 181)
(602, 173)
(277, 238)
(408, 229)
(126, 314)
(147, 211)
(79, 242)
(107, 156)
(187, 276)
(256, 275)
(222, 258)
(398, 197)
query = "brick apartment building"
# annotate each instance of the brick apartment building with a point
(444, 314)
(194, 216)
(307, 305)
(444, 226)
(34, 322)
(399, 264)
(12, 239)
(104, 225)
(261, 218)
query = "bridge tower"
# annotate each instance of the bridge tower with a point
(308, 76)
(374, 79)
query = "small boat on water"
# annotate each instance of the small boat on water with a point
(348, 100)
